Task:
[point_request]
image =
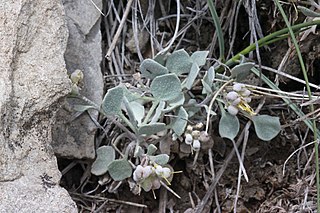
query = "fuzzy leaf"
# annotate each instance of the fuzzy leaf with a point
(138, 111)
(206, 89)
(228, 126)
(138, 152)
(308, 12)
(105, 155)
(150, 68)
(209, 110)
(158, 112)
(179, 62)
(111, 104)
(200, 57)
(150, 129)
(131, 96)
(267, 127)
(161, 159)
(151, 149)
(166, 87)
(129, 111)
(82, 108)
(193, 109)
(179, 124)
(161, 58)
(207, 81)
(172, 104)
(241, 71)
(191, 77)
(120, 169)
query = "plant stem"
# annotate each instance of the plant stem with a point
(278, 35)
(130, 125)
(212, 101)
(89, 102)
(153, 107)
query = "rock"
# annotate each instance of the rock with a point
(33, 80)
(74, 138)
(27, 195)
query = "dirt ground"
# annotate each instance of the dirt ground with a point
(278, 182)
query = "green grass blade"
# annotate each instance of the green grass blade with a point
(217, 24)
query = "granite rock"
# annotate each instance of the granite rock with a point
(33, 80)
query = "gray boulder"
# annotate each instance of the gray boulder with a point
(33, 80)
(74, 138)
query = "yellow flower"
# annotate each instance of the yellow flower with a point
(244, 106)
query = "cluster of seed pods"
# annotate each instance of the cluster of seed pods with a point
(152, 175)
(238, 98)
(194, 136)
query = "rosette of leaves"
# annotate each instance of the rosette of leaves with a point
(171, 76)
(166, 87)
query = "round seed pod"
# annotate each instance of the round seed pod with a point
(166, 172)
(188, 138)
(232, 95)
(232, 110)
(199, 126)
(236, 102)
(138, 173)
(247, 99)
(189, 128)
(147, 171)
(246, 93)
(158, 170)
(196, 145)
(238, 87)
(195, 133)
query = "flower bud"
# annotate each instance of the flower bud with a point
(195, 133)
(189, 128)
(174, 137)
(166, 172)
(247, 99)
(231, 96)
(199, 125)
(236, 102)
(158, 170)
(76, 77)
(246, 93)
(238, 87)
(196, 145)
(147, 171)
(232, 110)
(138, 173)
(188, 138)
